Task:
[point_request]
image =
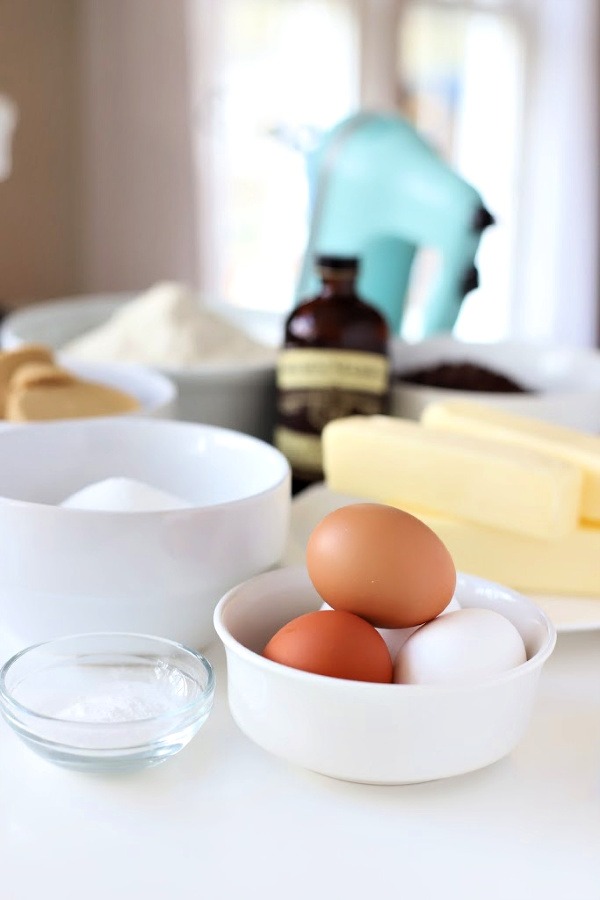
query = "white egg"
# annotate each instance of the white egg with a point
(461, 647)
(397, 637)
(452, 607)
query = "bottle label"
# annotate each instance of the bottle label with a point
(316, 386)
(300, 368)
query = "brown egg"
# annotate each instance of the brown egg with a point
(382, 564)
(334, 643)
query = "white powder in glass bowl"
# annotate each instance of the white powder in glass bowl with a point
(166, 326)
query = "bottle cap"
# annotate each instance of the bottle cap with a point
(338, 263)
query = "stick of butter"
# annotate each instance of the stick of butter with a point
(400, 462)
(568, 566)
(556, 441)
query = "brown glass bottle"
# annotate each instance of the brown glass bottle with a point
(334, 363)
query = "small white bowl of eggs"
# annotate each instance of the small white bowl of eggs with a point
(415, 674)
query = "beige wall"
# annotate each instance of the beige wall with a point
(137, 217)
(38, 203)
(100, 196)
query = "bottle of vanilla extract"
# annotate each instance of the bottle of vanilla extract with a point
(334, 363)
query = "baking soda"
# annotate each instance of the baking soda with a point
(125, 703)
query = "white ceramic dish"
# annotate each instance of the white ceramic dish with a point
(235, 395)
(373, 733)
(567, 379)
(571, 614)
(567, 614)
(68, 571)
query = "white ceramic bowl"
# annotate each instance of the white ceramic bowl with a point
(235, 395)
(66, 571)
(155, 393)
(566, 380)
(374, 733)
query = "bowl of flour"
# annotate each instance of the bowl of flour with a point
(222, 359)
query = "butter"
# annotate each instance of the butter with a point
(567, 566)
(556, 441)
(400, 462)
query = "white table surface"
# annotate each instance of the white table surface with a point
(224, 820)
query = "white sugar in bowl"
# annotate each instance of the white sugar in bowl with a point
(70, 571)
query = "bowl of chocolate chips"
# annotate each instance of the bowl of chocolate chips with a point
(551, 382)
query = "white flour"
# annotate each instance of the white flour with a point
(166, 327)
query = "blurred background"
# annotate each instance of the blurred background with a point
(165, 139)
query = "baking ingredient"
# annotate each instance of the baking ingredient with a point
(12, 360)
(334, 363)
(36, 374)
(33, 388)
(123, 495)
(555, 441)
(462, 647)
(568, 566)
(126, 702)
(484, 481)
(396, 637)
(334, 643)
(462, 376)
(380, 563)
(166, 326)
(75, 400)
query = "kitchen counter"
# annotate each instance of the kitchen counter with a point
(224, 820)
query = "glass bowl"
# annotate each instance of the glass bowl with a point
(107, 702)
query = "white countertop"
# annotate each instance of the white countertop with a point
(224, 820)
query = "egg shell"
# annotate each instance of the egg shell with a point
(334, 643)
(380, 563)
(396, 637)
(462, 647)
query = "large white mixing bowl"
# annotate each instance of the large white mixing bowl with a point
(65, 571)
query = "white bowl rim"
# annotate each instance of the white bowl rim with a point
(132, 421)
(157, 379)
(208, 370)
(442, 341)
(522, 396)
(536, 661)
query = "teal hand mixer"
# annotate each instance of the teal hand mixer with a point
(380, 192)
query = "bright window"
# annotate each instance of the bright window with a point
(287, 70)
(462, 83)
(505, 89)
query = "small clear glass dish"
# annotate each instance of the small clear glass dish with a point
(107, 702)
